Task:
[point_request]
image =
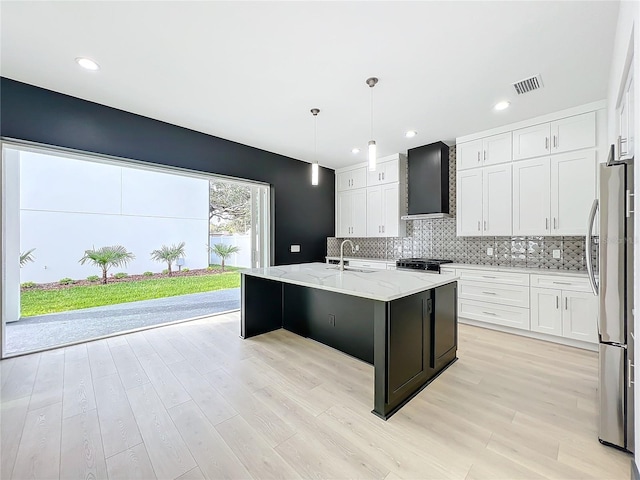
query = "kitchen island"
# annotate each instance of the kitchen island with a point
(403, 323)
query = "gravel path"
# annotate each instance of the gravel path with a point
(43, 331)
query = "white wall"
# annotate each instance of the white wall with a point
(240, 259)
(628, 41)
(69, 205)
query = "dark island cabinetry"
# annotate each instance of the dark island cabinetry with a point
(408, 339)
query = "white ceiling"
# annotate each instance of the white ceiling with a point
(251, 71)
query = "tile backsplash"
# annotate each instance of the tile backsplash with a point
(436, 238)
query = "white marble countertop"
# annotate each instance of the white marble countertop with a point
(533, 271)
(493, 268)
(382, 285)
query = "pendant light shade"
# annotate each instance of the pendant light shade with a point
(315, 168)
(373, 153)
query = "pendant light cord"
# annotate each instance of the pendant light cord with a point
(371, 113)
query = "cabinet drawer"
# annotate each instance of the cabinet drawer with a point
(486, 276)
(575, 284)
(497, 314)
(448, 271)
(368, 264)
(503, 294)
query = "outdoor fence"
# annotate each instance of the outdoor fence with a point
(240, 259)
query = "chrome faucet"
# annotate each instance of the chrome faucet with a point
(353, 249)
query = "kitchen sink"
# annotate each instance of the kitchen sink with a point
(350, 269)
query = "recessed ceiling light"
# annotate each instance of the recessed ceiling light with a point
(501, 105)
(355, 150)
(411, 134)
(87, 63)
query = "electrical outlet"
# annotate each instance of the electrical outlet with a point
(332, 320)
(357, 247)
(490, 251)
(295, 248)
(556, 253)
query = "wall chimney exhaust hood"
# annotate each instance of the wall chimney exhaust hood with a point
(428, 184)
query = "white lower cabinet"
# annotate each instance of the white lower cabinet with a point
(546, 316)
(569, 314)
(561, 306)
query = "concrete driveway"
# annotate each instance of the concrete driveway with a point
(42, 331)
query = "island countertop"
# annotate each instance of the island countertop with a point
(382, 285)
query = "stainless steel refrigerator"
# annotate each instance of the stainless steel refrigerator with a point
(614, 284)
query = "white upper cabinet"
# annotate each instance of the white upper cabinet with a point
(496, 200)
(383, 211)
(370, 204)
(532, 197)
(496, 149)
(385, 172)
(350, 179)
(352, 213)
(486, 151)
(573, 188)
(531, 141)
(469, 155)
(553, 195)
(564, 135)
(573, 133)
(469, 203)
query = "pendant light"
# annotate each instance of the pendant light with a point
(372, 81)
(315, 168)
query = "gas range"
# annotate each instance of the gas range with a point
(431, 265)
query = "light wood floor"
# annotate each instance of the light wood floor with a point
(195, 401)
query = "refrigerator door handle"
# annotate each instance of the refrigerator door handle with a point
(589, 247)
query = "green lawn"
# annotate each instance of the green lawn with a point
(38, 302)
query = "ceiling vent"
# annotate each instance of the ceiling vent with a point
(528, 85)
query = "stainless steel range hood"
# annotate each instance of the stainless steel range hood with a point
(428, 184)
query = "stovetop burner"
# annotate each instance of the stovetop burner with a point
(428, 264)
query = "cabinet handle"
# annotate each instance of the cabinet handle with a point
(478, 156)
(629, 366)
(490, 313)
(557, 302)
(555, 142)
(487, 276)
(379, 177)
(546, 223)
(382, 228)
(484, 155)
(383, 175)
(478, 225)
(562, 283)
(619, 146)
(490, 293)
(566, 303)
(554, 223)
(546, 143)
(485, 224)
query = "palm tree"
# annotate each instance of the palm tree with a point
(107, 257)
(168, 254)
(223, 251)
(26, 257)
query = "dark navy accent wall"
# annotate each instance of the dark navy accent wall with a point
(301, 214)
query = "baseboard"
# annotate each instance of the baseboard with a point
(635, 475)
(527, 333)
